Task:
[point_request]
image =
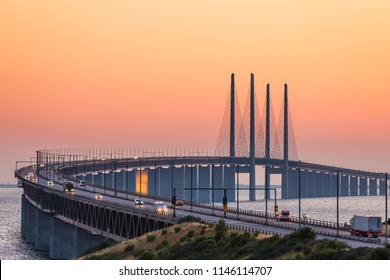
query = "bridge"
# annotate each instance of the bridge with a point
(68, 224)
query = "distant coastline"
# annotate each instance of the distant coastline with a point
(8, 186)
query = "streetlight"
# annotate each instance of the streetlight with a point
(266, 194)
(337, 208)
(386, 230)
(299, 195)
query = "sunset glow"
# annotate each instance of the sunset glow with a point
(157, 74)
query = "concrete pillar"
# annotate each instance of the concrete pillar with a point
(373, 187)
(152, 182)
(353, 188)
(165, 182)
(99, 178)
(218, 193)
(304, 184)
(229, 182)
(178, 181)
(333, 189)
(232, 118)
(285, 187)
(109, 179)
(68, 241)
(252, 146)
(204, 184)
(88, 178)
(344, 190)
(311, 183)
(382, 187)
(363, 186)
(43, 230)
(30, 223)
(130, 180)
(327, 185)
(24, 216)
(318, 184)
(294, 183)
(120, 180)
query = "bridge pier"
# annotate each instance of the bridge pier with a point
(68, 241)
(373, 187)
(204, 184)
(353, 187)
(327, 184)
(363, 186)
(344, 185)
(382, 187)
(318, 184)
(48, 233)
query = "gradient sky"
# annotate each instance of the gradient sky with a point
(156, 74)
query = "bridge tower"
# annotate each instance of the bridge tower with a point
(285, 187)
(267, 139)
(252, 165)
(232, 119)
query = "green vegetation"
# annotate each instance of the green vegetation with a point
(217, 242)
(151, 237)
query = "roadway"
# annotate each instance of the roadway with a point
(124, 200)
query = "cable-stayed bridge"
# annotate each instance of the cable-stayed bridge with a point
(203, 181)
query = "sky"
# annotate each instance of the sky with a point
(157, 73)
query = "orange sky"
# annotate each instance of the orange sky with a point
(156, 74)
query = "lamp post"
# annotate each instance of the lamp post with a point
(337, 208)
(299, 196)
(114, 175)
(266, 194)
(140, 181)
(386, 230)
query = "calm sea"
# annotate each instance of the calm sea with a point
(13, 246)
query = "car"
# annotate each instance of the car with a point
(138, 202)
(98, 196)
(82, 183)
(160, 208)
(284, 216)
(50, 183)
(179, 203)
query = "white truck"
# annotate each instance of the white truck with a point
(367, 226)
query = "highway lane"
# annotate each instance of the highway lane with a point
(127, 200)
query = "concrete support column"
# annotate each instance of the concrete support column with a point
(344, 185)
(382, 187)
(318, 185)
(120, 180)
(311, 183)
(327, 185)
(43, 230)
(88, 178)
(229, 182)
(373, 189)
(294, 183)
(204, 184)
(363, 186)
(218, 193)
(353, 188)
(178, 181)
